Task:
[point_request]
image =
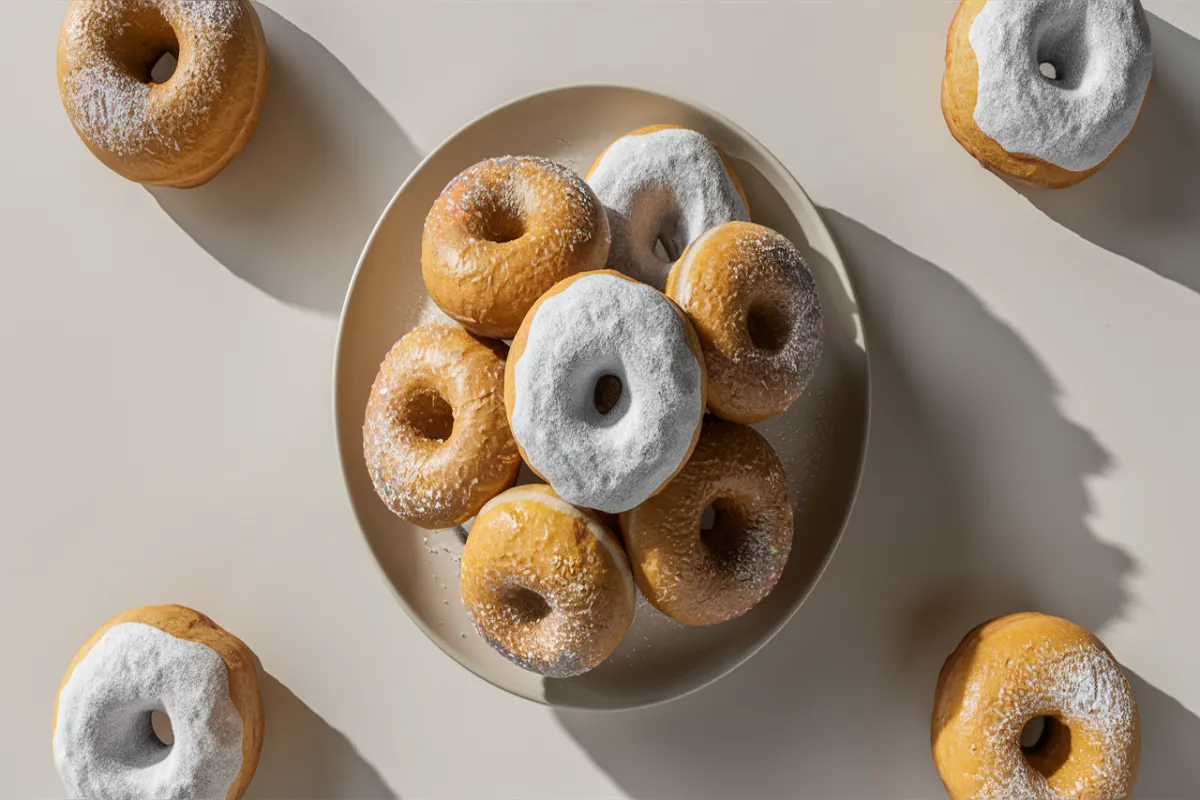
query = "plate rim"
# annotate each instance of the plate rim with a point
(840, 265)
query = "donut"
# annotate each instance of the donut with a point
(756, 309)
(180, 132)
(1045, 91)
(1024, 667)
(435, 437)
(605, 390)
(171, 660)
(502, 233)
(546, 583)
(701, 576)
(663, 184)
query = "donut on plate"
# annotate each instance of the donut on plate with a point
(1045, 91)
(171, 660)
(1031, 668)
(663, 184)
(546, 583)
(180, 132)
(605, 389)
(435, 437)
(702, 575)
(756, 309)
(502, 233)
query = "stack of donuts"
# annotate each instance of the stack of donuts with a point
(593, 323)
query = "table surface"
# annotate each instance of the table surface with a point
(167, 431)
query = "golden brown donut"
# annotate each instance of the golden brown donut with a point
(546, 583)
(181, 132)
(129, 668)
(701, 577)
(1029, 666)
(961, 84)
(756, 308)
(579, 336)
(502, 233)
(435, 438)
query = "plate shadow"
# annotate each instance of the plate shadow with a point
(291, 212)
(971, 467)
(303, 757)
(1145, 204)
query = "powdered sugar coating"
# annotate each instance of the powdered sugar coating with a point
(730, 278)
(606, 325)
(1102, 56)
(113, 104)
(104, 746)
(669, 185)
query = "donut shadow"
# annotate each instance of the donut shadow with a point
(971, 467)
(1145, 203)
(1170, 741)
(303, 757)
(291, 212)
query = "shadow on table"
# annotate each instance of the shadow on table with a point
(1170, 766)
(291, 213)
(1145, 203)
(972, 469)
(303, 757)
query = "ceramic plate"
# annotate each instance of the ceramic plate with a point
(821, 439)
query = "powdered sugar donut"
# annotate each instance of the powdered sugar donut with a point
(663, 184)
(1045, 91)
(605, 389)
(1017, 669)
(180, 132)
(172, 660)
(755, 306)
(546, 583)
(701, 577)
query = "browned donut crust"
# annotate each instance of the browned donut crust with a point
(960, 85)
(755, 306)
(546, 583)
(703, 577)
(435, 437)
(1013, 669)
(178, 133)
(184, 623)
(502, 233)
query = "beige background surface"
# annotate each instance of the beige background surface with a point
(167, 436)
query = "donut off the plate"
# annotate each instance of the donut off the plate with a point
(181, 132)
(1017, 121)
(159, 658)
(585, 332)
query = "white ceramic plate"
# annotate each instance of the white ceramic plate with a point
(822, 438)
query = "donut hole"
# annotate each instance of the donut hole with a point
(429, 414)
(1062, 54)
(1048, 70)
(768, 327)
(723, 526)
(143, 46)
(502, 224)
(526, 605)
(661, 252)
(160, 726)
(1046, 744)
(607, 393)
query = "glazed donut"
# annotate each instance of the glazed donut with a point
(502, 233)
(756, 309)
(701, 577)
(605, 390)
(1045, 91)
(435, 438)
(546, 583)
(663, 184)
(1024, 667)
(181, 132)
(172, 660)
